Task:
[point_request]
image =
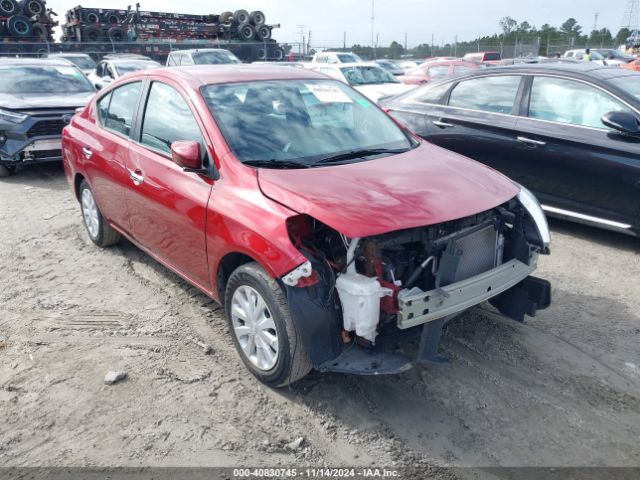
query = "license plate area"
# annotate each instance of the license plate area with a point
(42, 145)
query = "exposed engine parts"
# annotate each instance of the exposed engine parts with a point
(406, 277)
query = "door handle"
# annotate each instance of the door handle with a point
(441, 124)
(531, 142)
(87, 152)
(137, 177)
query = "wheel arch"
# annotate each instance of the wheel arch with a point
(77, 181)
(225, 267)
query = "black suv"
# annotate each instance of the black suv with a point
(37, 99)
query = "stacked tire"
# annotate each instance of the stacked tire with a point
(247, 26)
(26, 20)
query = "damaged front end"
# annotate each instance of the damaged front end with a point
(356, 297)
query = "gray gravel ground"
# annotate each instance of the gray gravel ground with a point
(563, 389)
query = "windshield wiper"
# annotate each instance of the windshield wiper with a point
(359, 154)
(273, 163)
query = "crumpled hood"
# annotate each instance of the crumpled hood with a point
(425, 186)
(35, 101)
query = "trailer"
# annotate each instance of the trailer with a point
(100, 31)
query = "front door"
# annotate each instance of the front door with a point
(168, 207)
(572, 161)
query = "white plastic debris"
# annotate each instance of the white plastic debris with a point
(112, 377)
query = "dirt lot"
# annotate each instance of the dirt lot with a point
(563, 389)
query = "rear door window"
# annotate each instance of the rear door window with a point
(496, 94)
(123, 101)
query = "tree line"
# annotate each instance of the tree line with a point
(569, 34)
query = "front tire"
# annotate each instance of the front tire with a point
(263, 331)
(100, 232)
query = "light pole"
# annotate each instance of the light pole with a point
(373, 20)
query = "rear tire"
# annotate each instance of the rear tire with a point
(264, 33)
(91, 33)
(246, 31)
(19, 26)
(33, 8)
(117, 34)
(7, 170)
(257, 18)
(40, 32)
(225, 17)
(111, 18)
(100, 232)
(240, 16)
(9, 8)
(264, 308)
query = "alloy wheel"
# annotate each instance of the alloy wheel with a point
(254, 327)
(90, 213)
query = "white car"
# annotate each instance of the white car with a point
(81, 60)
(336, 57)
(579, 54)
(615, 57)
(369, 79)
(201, 56)
(407, 65)
(109, 69)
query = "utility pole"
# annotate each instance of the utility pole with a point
(301, 29)
(373, 20)
(309, 42)
(344, 41)
(432, 43)
(375, 48)
(405, 42)
(455, 47)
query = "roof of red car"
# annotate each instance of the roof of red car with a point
(210, 74)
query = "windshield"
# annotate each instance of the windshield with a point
(129, 67)
(301, 121)
(33, 79)
(85, 63)
(367, 75)
(214, 58)
(492, 57)
(630, 84)
(348, 58)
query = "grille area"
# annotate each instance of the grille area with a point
(46, 128)
(42, 155)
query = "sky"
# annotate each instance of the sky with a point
(328, 20)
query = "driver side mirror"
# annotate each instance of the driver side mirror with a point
(186, 154)
(622, 122)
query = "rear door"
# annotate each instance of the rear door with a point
(478, 119)
(168, 206)
(106, 148)
(570, 159)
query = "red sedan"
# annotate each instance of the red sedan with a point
(434, 70)
(323, 227)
